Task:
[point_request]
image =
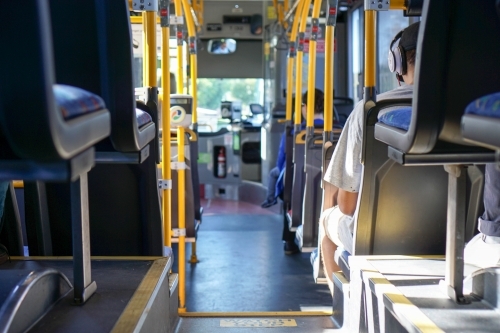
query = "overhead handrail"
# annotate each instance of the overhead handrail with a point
(292, 53)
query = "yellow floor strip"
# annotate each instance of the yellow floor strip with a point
(256, 314)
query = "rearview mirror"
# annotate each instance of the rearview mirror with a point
(221, 46)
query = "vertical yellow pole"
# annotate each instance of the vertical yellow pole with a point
(300, 59)
(370, 47)
(166, 171)
(180, 60)
(291, 58)
(151, 46)
(311, 79)
(329, 75)
(192, 57)
(181, 176)
(145, 79)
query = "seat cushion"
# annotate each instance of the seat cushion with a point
(488, 105)
(143, 118)
(399, 118)
(75, 102)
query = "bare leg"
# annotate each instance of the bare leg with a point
(328, 249)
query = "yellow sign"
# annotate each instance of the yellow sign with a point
(245, 322)
(271, 13)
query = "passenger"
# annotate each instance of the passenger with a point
(222, 49)
(4, 185)
(343, 176)
(272, 193)
(484, 249)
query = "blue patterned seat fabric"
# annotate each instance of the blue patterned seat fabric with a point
(488, 105)
(143, 118)
(75, 102)
(399, 118)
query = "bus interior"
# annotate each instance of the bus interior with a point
(164, 166)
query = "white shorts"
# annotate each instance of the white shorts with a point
(338, 227)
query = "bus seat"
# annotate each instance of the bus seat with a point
(125, 212)
(48, 147)
(445, 66)
(106, 50)
(481, 121)
(446, 81)
(343, 107)
(143, 118)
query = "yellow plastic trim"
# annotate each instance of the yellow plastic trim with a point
(138, 20)
(398, 4)
(281, 121)
(18, 183)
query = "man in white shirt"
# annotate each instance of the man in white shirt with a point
(343, 176)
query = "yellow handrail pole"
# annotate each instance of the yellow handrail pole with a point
(165, 111)
(145, 79)
(370, 47)
(181, 177)
(179, 34)
(291, 58)
(311, 78)
(192, 58)
(151, 46)
(300, 59)
(329, 74)
(329, 68)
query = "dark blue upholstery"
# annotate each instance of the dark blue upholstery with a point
(398, 118)
(488, 105)
(75, 102)
(143, 118)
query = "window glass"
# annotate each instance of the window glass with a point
(389, 24)
(357, 56)
(212, 91)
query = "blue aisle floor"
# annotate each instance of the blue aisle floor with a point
(243, 266)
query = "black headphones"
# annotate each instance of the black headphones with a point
(397, 58)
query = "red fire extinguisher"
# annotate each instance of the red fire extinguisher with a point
(221, 164)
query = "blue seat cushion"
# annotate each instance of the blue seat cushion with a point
(75, 102)
(143, 118)
(399, 118)
(488, 105)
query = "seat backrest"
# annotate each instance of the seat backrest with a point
(105, 50)
(457, 62)
(401, 210)
(27, 83)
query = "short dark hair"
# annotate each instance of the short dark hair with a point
(319, 101)
(410, 57)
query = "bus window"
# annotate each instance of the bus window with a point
(389, 24)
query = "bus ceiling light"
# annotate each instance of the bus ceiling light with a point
(343, 8)
(236, 6)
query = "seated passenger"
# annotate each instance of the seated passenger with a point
(343, 176)
(484, 249)
(319, 100)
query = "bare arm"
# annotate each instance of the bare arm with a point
(330, 193)
(347, 201)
